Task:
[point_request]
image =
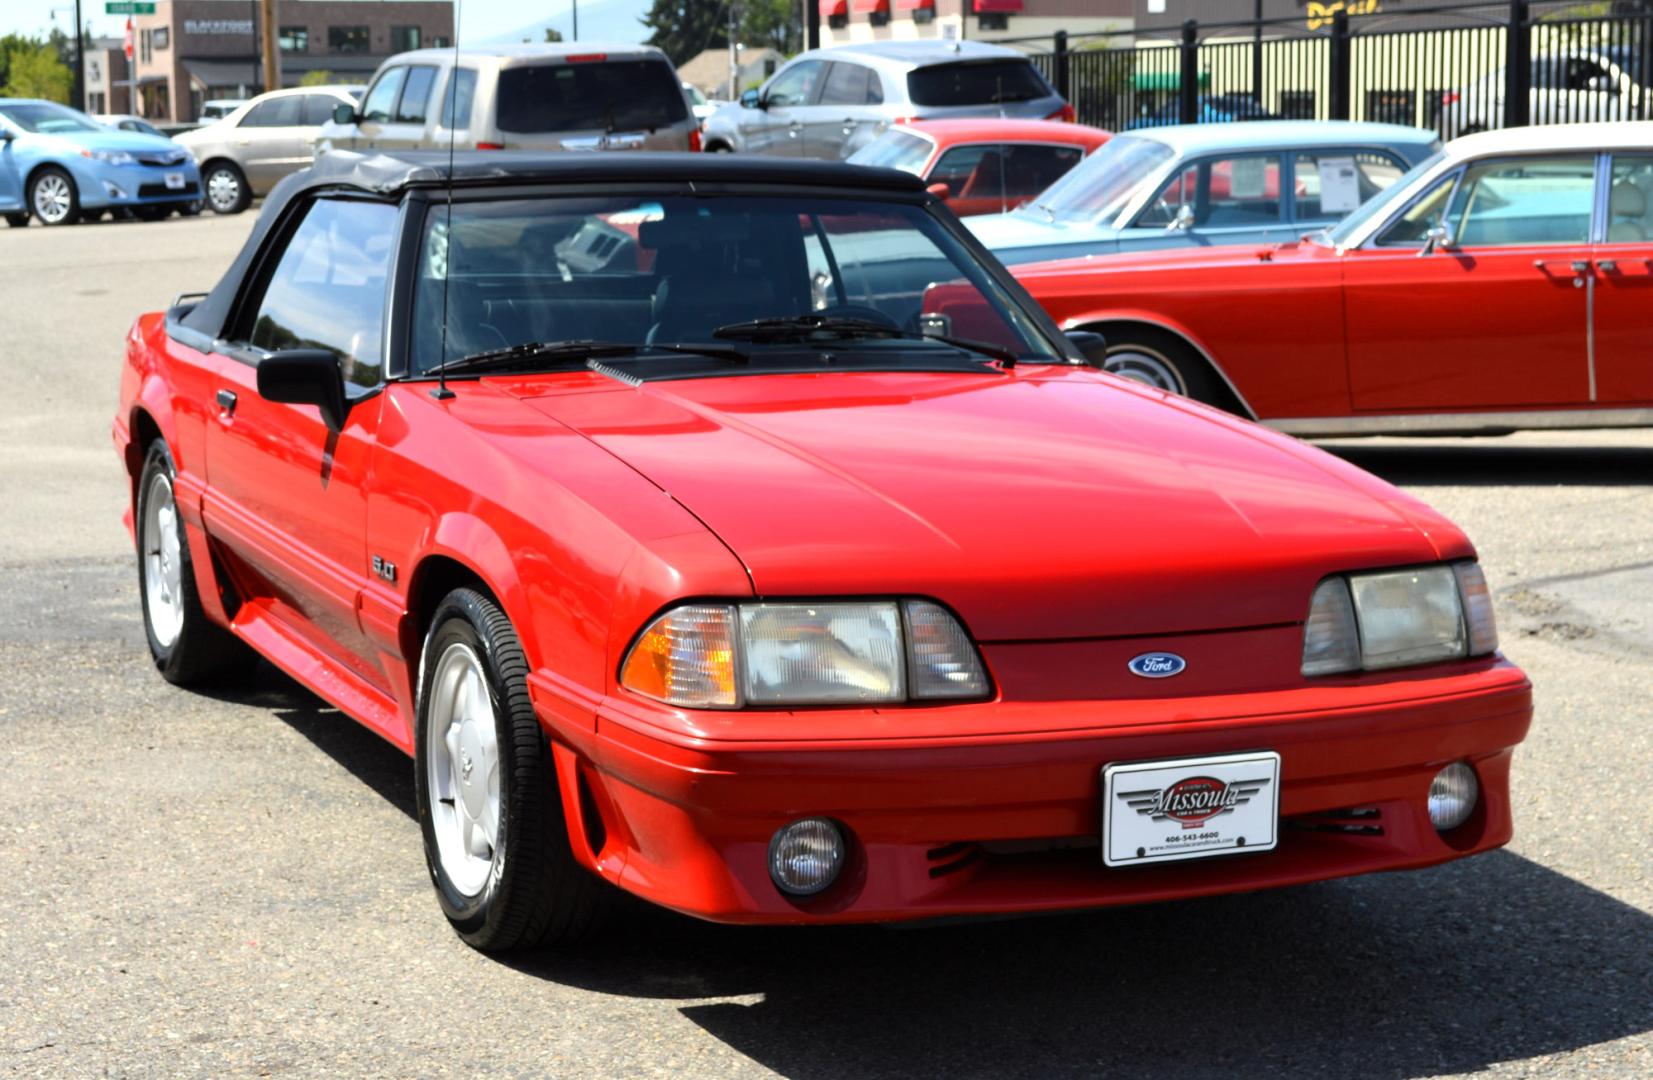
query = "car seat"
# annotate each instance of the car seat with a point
(1627, 213)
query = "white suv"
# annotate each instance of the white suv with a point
(1566, 88)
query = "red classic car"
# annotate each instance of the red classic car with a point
(1504, 283)
(983, 166)
(729, 577)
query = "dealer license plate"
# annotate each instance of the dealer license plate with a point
(174, 181)
(1163, 811)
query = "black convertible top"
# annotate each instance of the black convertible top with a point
(390, 173)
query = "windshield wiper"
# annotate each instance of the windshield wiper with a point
(575, 352)
(806, 327)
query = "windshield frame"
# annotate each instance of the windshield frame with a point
(419, 203)
(1120, 207)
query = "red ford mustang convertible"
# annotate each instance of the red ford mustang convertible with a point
(641, 500)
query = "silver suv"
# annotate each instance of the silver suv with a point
(262, 140)
(571, 96)
(828, 103)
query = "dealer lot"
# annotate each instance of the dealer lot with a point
(225, 885)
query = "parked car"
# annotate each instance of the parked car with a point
(1606, 83)
(828, 103)
(569, 96)
(699, 104)
(128, 122)
(218, 108)
(61, 165)
(983, 166)
(266, 138)
(1202, 185)
(682, 578)
(1497, 286)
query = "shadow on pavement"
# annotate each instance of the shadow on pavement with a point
(1482, 464)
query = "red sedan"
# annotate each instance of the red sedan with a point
(729, 577)
(1504, 283)
(983, 166)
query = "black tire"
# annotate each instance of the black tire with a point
(191, 209)
(202, 652)
(1162, 360)
(51, 175)
(232, 181)
(535, 894)
(17, 221)
(720, 148)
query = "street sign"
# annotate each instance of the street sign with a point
(129, 7)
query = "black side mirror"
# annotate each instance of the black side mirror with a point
(344, 113)
(1092, 345)
(749, 99)
(305, 377)
(7, 135)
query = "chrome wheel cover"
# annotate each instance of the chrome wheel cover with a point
(52, 198)
(462, 770)
(1141, 364)
(223, 190)
(163, 563)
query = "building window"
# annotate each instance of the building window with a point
(347, 39)
(437, 41)
(294, 39)
(160, 38)
(143, 46)
(994, 21)
(404, 38)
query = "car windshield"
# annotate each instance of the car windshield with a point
(1337, 235)
(877, 277)
(1099, 187)
(617, 95)
(44, 118)
(976, 82)
(895, 149)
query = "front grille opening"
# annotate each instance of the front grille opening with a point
(1351, 821)
(951, 858)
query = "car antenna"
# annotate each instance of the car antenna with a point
(442, 393)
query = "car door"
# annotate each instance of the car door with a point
(287, 495)
(1213, 200)
(378, 109)
(1623, 284)
(1328, 184)
(1497, 317)
(270, 141)
(848, 103)
(777, 127)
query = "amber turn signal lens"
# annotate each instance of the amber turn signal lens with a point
(686, 657)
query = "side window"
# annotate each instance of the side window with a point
(1628, 220)
(415, 101)
(1227, 192)
(1525, 201)
(1016, 171)
(457, 98)
(794, 85)
(875, 88)
(381, 99)
(276, 112)
(318, 109)
(1428, 211)
(846, 84)
(328, 290)
(1331, 183)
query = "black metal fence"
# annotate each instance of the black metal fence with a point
(1455, 68)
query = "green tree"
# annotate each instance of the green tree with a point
(687, 28)
(771, 24)
(319, 77)
(33, 70)
(552, 35)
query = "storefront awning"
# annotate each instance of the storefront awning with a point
(915, 5)
(834, 8)
(218, 72)
(998, 7)
(871, 7)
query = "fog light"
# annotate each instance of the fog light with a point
(1452, 796)
(114, 191)
(805, 856)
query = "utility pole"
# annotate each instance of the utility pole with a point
(80, 60)
(576, 20)
(272, 64)
(734, 57)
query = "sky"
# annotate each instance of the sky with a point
(479, 20)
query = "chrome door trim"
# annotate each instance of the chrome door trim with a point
(1475, 423)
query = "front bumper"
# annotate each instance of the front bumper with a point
(110, 187)
(1009, 821)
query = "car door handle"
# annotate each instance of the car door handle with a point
(796, 125)
(226, 400)
(1608, 266)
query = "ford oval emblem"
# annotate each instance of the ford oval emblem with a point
(1157, 665)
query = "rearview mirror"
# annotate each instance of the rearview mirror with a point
(749, 100)
(344, 113)
(305, 377)
(1091, 344)
(7, 135)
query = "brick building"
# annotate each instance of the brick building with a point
(191, 51)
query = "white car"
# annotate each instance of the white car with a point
(699, 103)
(1566, 88)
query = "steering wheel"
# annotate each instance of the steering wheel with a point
(857, 311)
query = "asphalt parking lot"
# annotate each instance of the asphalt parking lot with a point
(233, 885)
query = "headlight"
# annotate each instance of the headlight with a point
(780, 654)
(1397, 618)
(111, 157)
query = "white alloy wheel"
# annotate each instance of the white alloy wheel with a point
(53, 198)
(462, 752)
(223, 190)
(163, 564)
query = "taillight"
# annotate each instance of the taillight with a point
(490, 146)
(694, 141)
(587, 58)
(1449, 97)
(1066, 114)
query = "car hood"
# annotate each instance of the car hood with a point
(1051, 503)
(1030, 228)
(132, 142)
